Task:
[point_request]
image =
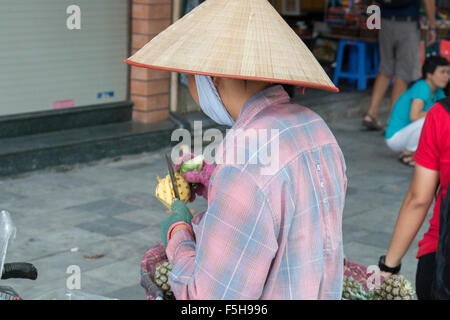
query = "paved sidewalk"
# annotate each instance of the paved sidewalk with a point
(102, 217)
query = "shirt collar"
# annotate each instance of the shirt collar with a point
(261, 100)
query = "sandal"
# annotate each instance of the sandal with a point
(373, 124)
(403, 159)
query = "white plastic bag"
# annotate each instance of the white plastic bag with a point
(7, 232)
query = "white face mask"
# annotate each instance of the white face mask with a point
(210, 101)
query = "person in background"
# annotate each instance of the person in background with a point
(432, 169)
(399, 43)
(408, 114)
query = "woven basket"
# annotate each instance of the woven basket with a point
(152, 259)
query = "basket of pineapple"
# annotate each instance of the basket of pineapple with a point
(356, 276)
(396, 287)
(155, 270)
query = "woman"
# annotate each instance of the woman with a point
(432, 173)
(408, 114)
(273, 234)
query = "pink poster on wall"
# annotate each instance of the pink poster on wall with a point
(63, 104)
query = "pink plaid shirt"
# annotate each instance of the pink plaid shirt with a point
(268, 236)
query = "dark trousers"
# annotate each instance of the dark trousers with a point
(426, 271)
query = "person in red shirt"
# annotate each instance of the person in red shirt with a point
(430, 180)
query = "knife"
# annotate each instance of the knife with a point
(172, 178)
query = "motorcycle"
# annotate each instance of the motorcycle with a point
(16, 270)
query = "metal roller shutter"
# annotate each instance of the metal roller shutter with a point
(44, 65)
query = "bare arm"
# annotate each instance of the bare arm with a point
(412, 213)
(417, 110)
(430, 7)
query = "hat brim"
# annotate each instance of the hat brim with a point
(281, 81)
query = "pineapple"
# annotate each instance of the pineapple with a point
(360, 294)
(396, 287)
(162, 279)
(351, 289)
(164, 191)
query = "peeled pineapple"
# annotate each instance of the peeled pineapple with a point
(164, 191)
(396, 287)
(162, 279)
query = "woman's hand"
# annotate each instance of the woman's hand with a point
(430, 9)
(391, 263)
(385, 275)
(431, 36)
(180, 216)
(199, 178)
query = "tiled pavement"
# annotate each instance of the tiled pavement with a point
(102, 217)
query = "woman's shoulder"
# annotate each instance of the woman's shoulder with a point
(420, 85)
(420, 90)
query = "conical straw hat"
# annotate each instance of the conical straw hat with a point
(243, 39)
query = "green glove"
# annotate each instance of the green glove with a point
(180, 215)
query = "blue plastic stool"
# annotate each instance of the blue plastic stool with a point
(363, 61)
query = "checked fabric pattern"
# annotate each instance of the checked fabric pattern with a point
(271, 231)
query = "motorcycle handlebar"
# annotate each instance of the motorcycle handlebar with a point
(19, 270)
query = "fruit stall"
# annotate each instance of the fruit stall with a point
(359, 282)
